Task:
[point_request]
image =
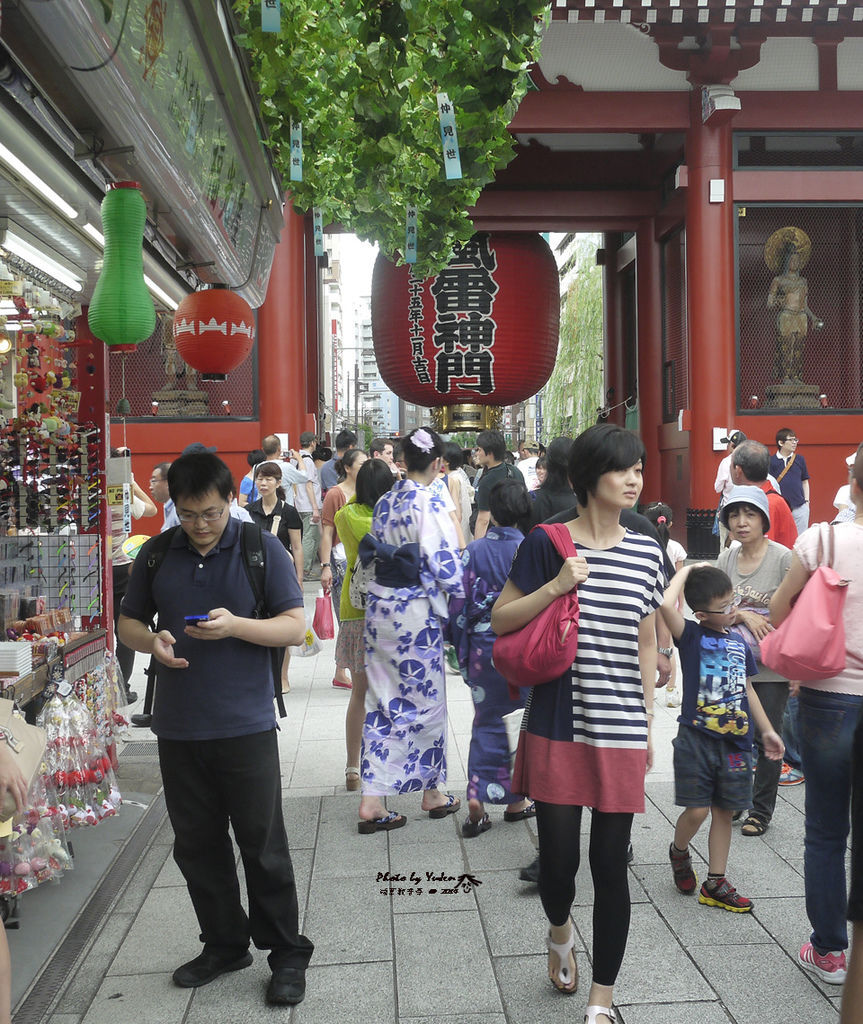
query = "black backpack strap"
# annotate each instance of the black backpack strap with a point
(252, 547)
(156, 550)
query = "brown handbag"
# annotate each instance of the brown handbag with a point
(26, 743)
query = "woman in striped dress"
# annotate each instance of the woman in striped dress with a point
(585, 739)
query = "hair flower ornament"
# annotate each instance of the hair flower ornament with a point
(423, 440)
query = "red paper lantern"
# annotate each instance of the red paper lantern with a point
(481, 334)
(214, 331)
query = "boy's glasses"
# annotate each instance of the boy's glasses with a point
(210, 516)
(726, 610)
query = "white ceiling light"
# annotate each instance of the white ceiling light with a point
(160, 293)
(36, 183)
(24, 245)
(94, 233)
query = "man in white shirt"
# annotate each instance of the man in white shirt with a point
(382, 449)
(723, 485)
(271, 446)
(529, 452)
(171, 517)
(308, 501)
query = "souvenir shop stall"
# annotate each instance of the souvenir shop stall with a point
(55, 670)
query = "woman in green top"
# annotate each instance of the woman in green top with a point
(353, 521)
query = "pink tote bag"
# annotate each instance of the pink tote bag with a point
(810, 643)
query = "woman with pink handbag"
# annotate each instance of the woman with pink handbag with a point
(585, 741)
(828, 711)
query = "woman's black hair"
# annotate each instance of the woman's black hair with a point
(557, 465)
(509, 502)
(453, 455)
(274, 470)
(322, 454)
(602, 448)
(420, 455)
(256, 456)
(374, 479)
(660, 511)
(346, 461)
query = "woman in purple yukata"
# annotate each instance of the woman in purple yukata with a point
(417, 567)
(486, 567)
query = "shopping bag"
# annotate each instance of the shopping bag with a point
(323, 620)
(311, 644)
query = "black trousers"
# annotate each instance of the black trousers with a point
(773, 697)
(559, 830)
(209, 784)
(125, 655)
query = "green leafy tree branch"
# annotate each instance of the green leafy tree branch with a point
(362, 78)
(574, 390)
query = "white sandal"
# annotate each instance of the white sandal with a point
(592, 1012)
(352, 779)
(562, 951)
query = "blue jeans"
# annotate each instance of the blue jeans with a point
(826, 724)
(789, 734)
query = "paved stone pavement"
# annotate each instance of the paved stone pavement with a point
(463, 957)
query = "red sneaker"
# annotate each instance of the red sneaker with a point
(721, 893)
(684, 876)
(829, 967)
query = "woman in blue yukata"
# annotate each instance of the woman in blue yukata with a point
(486, 567)
(417, 569)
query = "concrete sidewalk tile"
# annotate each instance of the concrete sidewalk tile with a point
(529, 996)
(756, 870)
(347, 993)
(507, 846)
(237, 998)
(640, 981)
(90, 969)
(682, 1012)
(142, 998)
(415, 862)
(786, 922)
(789, 997)
(351, 855)
(512, 915)
(319, 723)
(72, 1018)
(301, 815)
(302, 861)
(349, 922)
(164, 935)
(442, 966)
(693, 923)
(458, 1018)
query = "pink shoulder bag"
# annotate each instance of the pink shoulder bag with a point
(810, 643)
(546, 647)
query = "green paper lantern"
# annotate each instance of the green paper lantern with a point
(121, 310)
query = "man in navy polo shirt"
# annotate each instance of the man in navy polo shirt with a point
(789, 468)
(214, 718)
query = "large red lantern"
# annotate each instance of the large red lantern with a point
(479, 335)
(214, 331)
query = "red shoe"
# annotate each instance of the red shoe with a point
(681, 865)
(340, 685)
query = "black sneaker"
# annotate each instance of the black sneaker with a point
(530, 873)
(207, 967)
(630, 854)
(130, 698)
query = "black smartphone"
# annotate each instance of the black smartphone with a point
(192, 619)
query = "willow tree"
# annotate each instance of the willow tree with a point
(363, 78)
(574, 391)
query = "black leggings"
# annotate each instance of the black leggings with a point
(559, 828)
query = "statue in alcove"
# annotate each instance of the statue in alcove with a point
(786, 253)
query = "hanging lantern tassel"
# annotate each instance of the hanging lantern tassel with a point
(214, 331)
(124, 406)
(122, 311)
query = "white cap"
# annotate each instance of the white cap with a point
(852, 458)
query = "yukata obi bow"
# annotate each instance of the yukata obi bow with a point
(394, 566)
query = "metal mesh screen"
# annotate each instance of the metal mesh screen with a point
(675, 348)
(801, 149)
(158, 383)
(799, 302)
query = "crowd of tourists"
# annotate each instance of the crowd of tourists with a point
(429, 554)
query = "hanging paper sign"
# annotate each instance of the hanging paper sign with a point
(296, 151)
(411, 235)
(449, 137)
(318, 230)
(271, 15)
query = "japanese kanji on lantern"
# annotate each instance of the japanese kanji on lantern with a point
(214, 331)
(479, 335)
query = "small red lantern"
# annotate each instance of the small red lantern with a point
(481, 334)
(214, 331)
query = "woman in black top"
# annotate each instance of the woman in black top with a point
(554, 494)
(276, 515)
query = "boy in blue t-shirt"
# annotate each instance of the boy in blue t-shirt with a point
(713, 748)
